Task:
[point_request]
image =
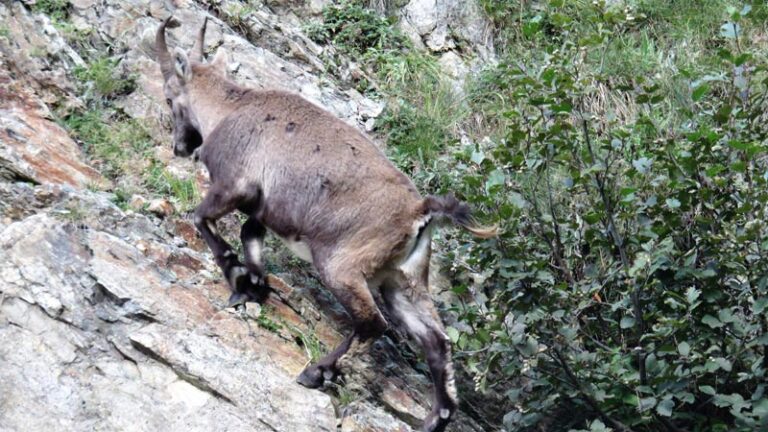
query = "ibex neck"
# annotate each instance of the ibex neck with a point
(214, 104)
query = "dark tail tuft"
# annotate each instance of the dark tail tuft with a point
(459, 212)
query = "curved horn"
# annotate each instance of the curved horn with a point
(163, 56)
(199, 47)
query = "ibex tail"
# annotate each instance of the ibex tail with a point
(447, 206)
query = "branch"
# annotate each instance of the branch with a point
(619, 242)
(588, 398)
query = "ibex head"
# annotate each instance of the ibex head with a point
(182, 75)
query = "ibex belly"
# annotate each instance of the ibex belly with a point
(298, 247)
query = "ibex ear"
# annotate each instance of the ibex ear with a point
(181, 65)
(220, 61)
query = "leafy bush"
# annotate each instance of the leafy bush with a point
(354, 28)
(629, 288)
(58, 10)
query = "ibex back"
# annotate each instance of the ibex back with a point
(328, 192)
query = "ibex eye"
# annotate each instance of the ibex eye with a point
(168, 101)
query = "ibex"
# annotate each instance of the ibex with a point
(328, 192)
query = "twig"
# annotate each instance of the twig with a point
(616, 424)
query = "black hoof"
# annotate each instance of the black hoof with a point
(437, 420)
(237, 300)
(315, 376)
(246, 288)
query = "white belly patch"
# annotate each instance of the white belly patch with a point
(299, 248)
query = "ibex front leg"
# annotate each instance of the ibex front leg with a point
(216, 204)
(252, 237)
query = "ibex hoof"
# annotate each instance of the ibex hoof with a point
(315, 376)
(237, 300)
(437, 420)
(245, 288)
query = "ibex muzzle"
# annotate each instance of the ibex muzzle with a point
(328, 192)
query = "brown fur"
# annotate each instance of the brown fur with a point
(307, 176)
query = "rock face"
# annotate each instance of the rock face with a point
(442, 25)
(32, 145)
(109, 330)
(115, 320)
(111, 323)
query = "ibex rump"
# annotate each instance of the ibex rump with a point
(324, 188)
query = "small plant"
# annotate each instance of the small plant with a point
(57, 10)
(73, 213)
(102, 75)
(121, 198)
(345, 395)
(237, 16)
(111, 141)
(182, 191)
(355, 29)
(311, 344)
(267, 323)
(77, 37)
(411, 136)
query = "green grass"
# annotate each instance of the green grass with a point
(112, 142)
(122, 150)
(267, 323)
(310, 342)
(183, 192)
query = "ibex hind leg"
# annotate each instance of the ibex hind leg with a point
(217, 203)
(351, 289)
(418, 317)
(254, 287)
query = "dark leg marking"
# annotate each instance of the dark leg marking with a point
(217, 203)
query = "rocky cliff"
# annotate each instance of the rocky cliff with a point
(112, 317)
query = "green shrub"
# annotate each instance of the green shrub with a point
(629, 287)
(58, 10)
(355, 29)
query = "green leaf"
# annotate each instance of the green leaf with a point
(684, 348)
(711, 321)
(730, 30)
(692, 294)
(673, 203)
(724, 363)
(518, 200)
(592, 218)
(709, 390)
(478, 157)
(665, 407)
(642, 165)
(699, 92)
(599, 426)
(646, 403)
(759, 306)
(452, 333)
(627, 322)
(495, 178)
